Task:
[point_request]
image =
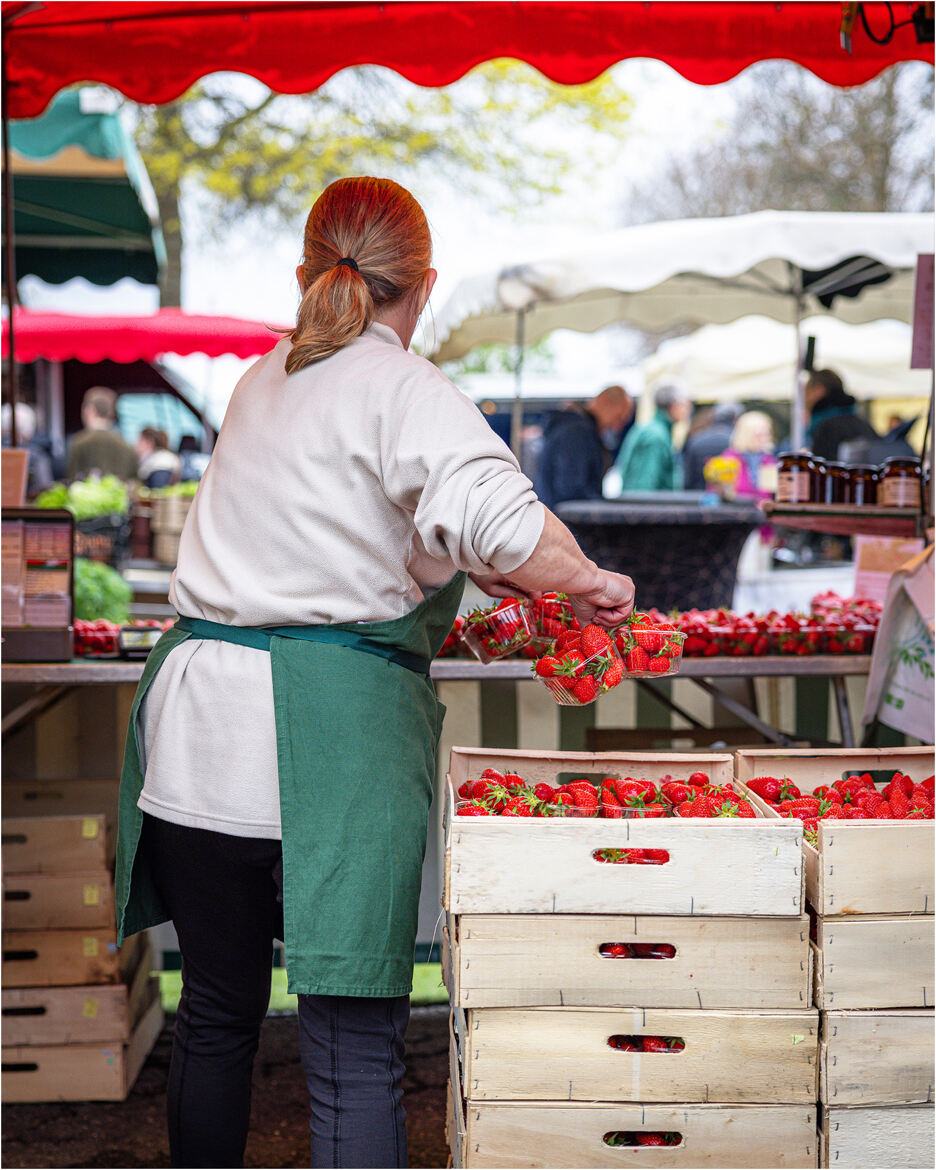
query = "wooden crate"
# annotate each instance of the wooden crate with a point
(55, 958)
(563, 1054)
(45, 901)
(498, 865)
(860, 867)
(876, 1057)
(55, 844)
(79, 1015)
(873, 961)
(547, 960)
(898, 1136)
(40, 798)
(530, 1135)
(103, 1071)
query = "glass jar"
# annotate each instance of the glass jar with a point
(900, 482)
(836, 483)
(794, 478)
(862, 485)
(818, 474)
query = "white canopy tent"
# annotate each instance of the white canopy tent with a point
(754, 357)
(779, 264)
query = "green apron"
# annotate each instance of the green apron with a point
(357, 728)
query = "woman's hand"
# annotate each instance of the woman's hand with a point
(609, 604)
(496, 585)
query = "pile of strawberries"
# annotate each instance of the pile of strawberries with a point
(620, 1137)
(550, 616)
(855, 798)
(509, 795)
(498, 630)
(452, 646)
(650, 645)
(583, 664)
(723, 633)
(647, 1043)
(637, 951)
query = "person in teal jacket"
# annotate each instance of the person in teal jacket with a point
(647, 461)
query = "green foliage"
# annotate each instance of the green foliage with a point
(185, 490)
(88, 498)
(496, 358)
(100, 592)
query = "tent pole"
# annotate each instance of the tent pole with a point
(798, 421)
(516, 414)
(8, 243)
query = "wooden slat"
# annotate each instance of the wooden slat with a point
(55, 958)
(55, 844)
(539, 1054)
(874, 961)
(545, 960)
(877, 1057)
(44, 901)
(897, 1136)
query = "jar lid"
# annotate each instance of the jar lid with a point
(901, 461)
(836, 466)
(866, 467)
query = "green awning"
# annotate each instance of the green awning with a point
(83, 204)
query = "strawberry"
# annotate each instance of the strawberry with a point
(569, 640)
(517, 806)
(675, 792)
(623, 1044)
(513, 781)
(806, 806)
(652, 856)
(899, 803)
(920, 814)
(637, 661)
(463, 789)
(613, 675)
(767, 787)
(544, 792)
(493, 774)
(829, 795)
(651, 1139)
(882, 811)
(928, 784)
(662, 1044)
(562, 799)
(904, 783)
(610, 805)
(698, 780)
(474, 809)
(583, 795)
(547, 666)
(919, 799)
(745, 809)
(614, 950)
(650, 639)
(594, 640)
(585, 689)
(854, 813)
(660, 665)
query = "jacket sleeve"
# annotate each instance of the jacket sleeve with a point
(441, 461)
(646, 464)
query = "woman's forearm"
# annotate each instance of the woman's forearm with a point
(557, 562)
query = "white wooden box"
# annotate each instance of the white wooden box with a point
(551, 960)
(876, 1057)
(563, 1054)
(506, 865)
(879, 1138)
(874, 961)
(860, 867)
(530, 1135)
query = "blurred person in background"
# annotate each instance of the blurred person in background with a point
(577, 445)
(647, 461)
(99, 447)
(713, 437)
(833, 417)
(192, 460)
(40, 474)
(747, 468)
(158, 465)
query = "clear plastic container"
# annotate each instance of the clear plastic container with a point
(497, 632)
(852, 639)
(549, 616)
(650, 652)
(580, 681)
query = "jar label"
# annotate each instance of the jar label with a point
(793, 487)
(899, 492)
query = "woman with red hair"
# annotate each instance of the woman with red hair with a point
(281, 759)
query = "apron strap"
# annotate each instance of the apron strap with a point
(259, 638)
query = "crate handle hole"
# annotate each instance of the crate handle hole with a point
(20, 1066)
(16, 895)
(34, 1010)
(630, 1138)
(612, 950)
(14, 839)
(631, 856)
(664, 1045)
(19, 956)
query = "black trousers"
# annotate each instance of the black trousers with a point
(225, 896)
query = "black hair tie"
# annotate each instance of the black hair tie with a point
(348, 263)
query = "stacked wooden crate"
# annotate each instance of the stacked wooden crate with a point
(539, 1077)
(166, 523)
(869, 887)
(79, 1016)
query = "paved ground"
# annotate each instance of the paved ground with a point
(132, 1133)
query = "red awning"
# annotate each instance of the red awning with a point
(59, 337)
(152, 52)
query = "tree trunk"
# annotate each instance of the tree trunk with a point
(170, 289)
